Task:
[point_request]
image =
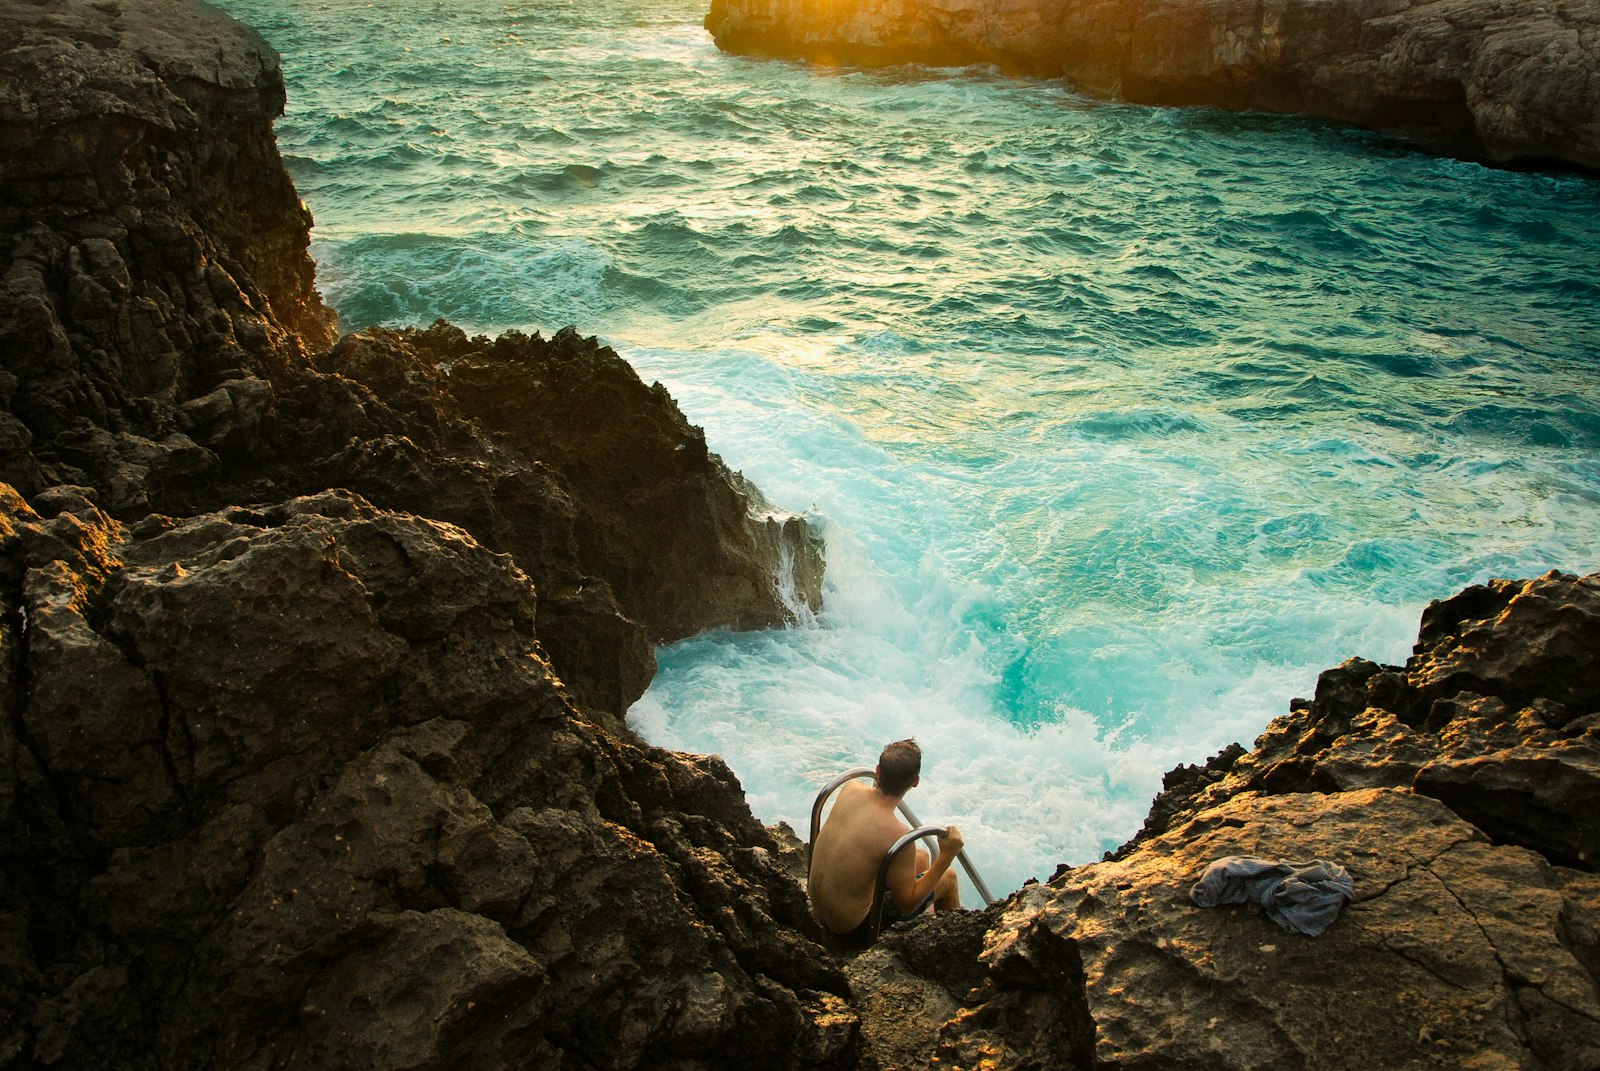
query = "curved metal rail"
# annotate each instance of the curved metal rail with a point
(881, 890)
(918, 832)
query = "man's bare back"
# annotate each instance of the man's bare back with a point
(850, 847)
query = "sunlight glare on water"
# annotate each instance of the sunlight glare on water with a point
(1120, 423)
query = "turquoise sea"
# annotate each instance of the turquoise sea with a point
(1120, 423)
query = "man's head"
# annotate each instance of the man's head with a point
(899, 766)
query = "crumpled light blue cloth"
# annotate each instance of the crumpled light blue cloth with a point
(1300, 897)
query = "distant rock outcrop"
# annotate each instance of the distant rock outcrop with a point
(1499, 80)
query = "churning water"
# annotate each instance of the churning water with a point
(1120, 423)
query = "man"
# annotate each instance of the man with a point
(850, 847)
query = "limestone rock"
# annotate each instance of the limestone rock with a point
(298, 785)
(1455, 953)
(1518, 642)
(151, 244)
(927, 999)
(298, 775)
(682, 543)
(1498, 80)
(166, 346)
(1496, 714)
(1460, 792)
(555, 452)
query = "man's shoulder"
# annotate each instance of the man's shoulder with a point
(853, 799)
(857, 806)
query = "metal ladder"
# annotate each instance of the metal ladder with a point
(918, 832)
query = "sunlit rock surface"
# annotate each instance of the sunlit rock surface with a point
(1459, 791)
(1455, 948)
(1499, 80)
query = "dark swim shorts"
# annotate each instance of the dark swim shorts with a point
(863, 936)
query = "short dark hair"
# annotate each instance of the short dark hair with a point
(898, 767)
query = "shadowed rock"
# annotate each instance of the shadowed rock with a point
(298, 783)
(152, 249)
(166, 347)
(313, 656)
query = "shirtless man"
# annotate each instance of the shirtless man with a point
(850, 847)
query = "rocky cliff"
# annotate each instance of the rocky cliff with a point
(294, 786)
(312, 651)
(1499, 80)
(165, 345)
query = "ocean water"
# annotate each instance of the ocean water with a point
(1120, 423)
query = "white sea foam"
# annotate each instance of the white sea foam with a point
(1049, 695)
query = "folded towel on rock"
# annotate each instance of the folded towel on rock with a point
(1300, 897)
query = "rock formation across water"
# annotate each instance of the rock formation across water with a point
(312, 652)
(1505, 81)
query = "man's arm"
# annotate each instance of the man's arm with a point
(909, 890)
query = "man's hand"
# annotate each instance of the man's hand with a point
(950, 842)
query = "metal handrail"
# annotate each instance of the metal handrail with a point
(961, 856)
(881, 889)
(918, 831)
